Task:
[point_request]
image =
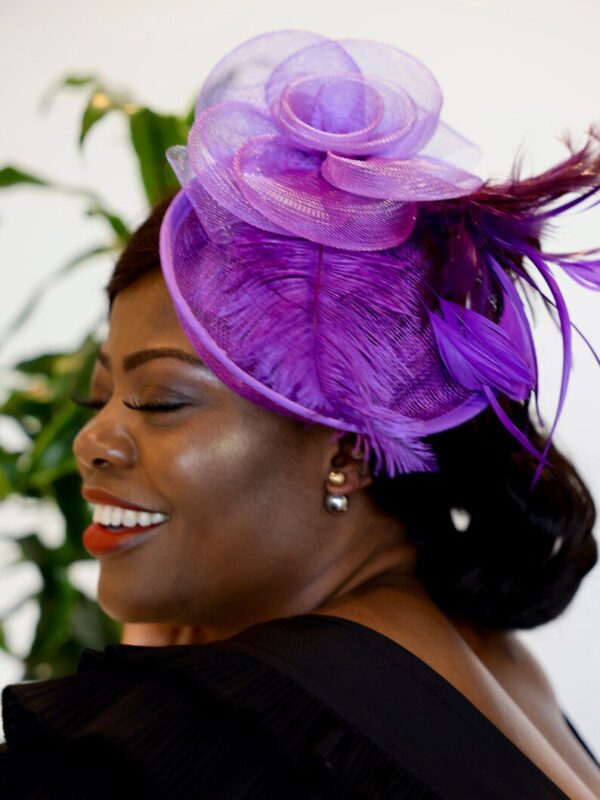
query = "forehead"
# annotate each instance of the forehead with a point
(142, 320)
(143, 315)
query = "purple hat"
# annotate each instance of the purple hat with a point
(331, 256)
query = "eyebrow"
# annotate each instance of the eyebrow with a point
(134, 360)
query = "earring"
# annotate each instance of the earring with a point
(336, 502)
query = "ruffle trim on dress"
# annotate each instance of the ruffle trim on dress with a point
(176, 712)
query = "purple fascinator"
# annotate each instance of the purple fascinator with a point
(332, 257)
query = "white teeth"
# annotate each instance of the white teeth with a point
(129, 517)
(115, 515)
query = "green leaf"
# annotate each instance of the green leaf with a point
(43, 363)
(39, 291)
(44, 478)
(7, 473)
(38, 403)
(11, 176)
(72, 81)
(53, 444)
(101, 102)
(117, 225)
(93, 113)
(3, 642)
(75, 510)
(151, 135)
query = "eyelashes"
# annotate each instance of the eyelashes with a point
(89, 402)
(154, 406)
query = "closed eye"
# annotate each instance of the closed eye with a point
(89, 402)
(154, 406)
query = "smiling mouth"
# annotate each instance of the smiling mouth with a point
(117, 520)
(116, 529)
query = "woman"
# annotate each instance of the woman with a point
(308, 615)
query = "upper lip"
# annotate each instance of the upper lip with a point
(95, 495)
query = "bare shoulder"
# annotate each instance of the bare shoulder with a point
(507, 657)
(519, 672)
(494, 670)
(512, 655)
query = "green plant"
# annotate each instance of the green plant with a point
(38, 397)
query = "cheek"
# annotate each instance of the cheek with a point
(216, 471)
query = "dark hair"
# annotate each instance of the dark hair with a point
(521, 559)
(522, 555)
(141, 254)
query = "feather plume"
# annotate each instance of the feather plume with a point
(498, 230)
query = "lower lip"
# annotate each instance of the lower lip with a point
(100, 541)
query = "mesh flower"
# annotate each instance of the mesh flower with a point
(334, 141)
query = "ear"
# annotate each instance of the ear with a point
(353, 467)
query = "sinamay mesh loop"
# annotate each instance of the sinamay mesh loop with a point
(274, 114)
(331, 257)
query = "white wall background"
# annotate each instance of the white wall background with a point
(513, 74)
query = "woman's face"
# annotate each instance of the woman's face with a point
(247, 537)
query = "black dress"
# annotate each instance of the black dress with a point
(306, 707)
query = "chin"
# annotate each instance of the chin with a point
(123, 605)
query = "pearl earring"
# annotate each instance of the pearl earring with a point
(336, 502)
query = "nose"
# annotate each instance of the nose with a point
(102, 444)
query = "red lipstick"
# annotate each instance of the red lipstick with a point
(108, 498)
(99, 540)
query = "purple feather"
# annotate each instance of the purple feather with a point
(483, 356)
(505, 223)
(479, 353)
